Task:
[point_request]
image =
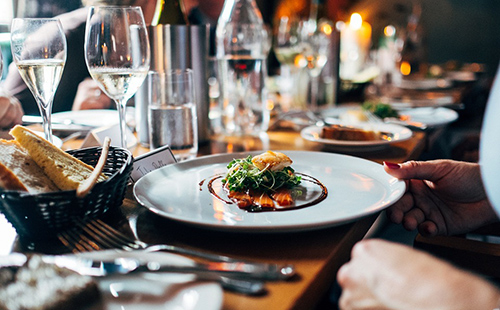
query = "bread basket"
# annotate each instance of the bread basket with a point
(42, 216)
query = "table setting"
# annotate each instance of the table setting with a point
(178, 234)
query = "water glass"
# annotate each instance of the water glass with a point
(172, 112)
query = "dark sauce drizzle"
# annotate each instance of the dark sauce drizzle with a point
(307, 178)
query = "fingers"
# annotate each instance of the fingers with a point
(397, 211)
(421, 170)
(89, 96)
(360, 278)
(428, 229)
(413, 218)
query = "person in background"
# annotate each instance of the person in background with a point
(11, 111)
(443, 197)
(77, 90)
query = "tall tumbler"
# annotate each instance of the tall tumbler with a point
(178, 47)
(172, 112)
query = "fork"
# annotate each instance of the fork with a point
(97, 235)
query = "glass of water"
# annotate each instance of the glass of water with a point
(172, 112)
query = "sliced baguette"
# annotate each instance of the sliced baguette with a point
(66, 171)
(19, 172)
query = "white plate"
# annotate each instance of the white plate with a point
(146, 291)
(432, 117)
(430, 83)
(151, 291)
(94, 118)
(356, 188)
(89, 118)
(429, 116)
(400, 133)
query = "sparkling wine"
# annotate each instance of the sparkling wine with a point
(42, 77)
(286, 55)
(119, 83)
(311, 60)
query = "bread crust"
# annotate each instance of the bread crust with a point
(9, 181)
(18, 171)
(66, 171)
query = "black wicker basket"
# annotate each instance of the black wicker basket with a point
(42, 216)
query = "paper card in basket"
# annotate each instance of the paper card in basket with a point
(96, 137)
(151, 161)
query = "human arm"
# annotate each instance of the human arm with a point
(90, 96)
(11, 112)
(443, 197)
(385, 275)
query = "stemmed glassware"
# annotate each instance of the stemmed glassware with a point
(117, 54)
(314, 48)
(39, 50)
(286, 46)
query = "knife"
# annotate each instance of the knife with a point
(127, 265)
(120, 266)
(33, 119)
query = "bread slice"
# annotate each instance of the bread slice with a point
(19, 172)
(66, 171)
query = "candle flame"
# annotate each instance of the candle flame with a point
(326, 29)
(405, 68)
(389, 31)
(356, 21)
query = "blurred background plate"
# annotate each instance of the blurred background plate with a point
(432, 117)
(399, 133)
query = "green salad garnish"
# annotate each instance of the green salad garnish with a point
(244, 175)
(381, 110)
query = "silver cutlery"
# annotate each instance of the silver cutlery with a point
(123, 266)
(33, 119)
(97, 235)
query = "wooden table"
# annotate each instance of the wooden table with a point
(317, 255)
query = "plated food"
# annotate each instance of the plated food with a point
(350, 133)
(265, 181)
(383, 136)
(356, 187)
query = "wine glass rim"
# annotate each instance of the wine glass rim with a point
(116, 7)
(37, 18)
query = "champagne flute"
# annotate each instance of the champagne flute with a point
(39, 49)
(117, 54)
(314, 48)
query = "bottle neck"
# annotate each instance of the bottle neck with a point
(240, 11)
(170, 12)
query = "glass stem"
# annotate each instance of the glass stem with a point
(121, 105)
(45, 112)
(314, 93)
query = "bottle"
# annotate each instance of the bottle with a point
(413, 52)
(169, 12)
(241, 51)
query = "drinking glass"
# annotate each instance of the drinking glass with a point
(286, 48)
(117, 54)
(314, 48)
(39, 50)
(172, 112)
